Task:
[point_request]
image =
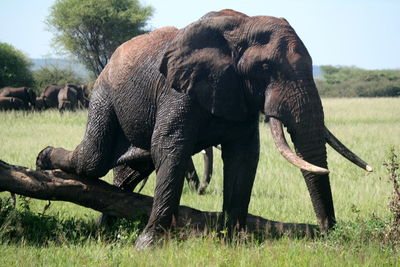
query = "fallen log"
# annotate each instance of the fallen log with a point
(101, 196)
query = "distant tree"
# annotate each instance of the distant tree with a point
(53, 74)
(14, 67)
(92, 29)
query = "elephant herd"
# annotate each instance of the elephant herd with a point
(64, 97)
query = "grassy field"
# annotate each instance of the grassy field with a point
(67, 235)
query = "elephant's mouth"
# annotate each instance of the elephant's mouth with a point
(291, 157)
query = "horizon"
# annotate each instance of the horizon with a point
(362, 37)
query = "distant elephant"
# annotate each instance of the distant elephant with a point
(26, 94)
(12, 103)
(40, 104)
(83, 96)
(50, 95)
(67, 98)
(168, 94)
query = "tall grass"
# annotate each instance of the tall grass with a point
(370, 127)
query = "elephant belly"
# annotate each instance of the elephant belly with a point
(137, 122)
(219, 131)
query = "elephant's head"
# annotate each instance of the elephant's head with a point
(236, 66)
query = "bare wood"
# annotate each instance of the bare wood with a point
(103, 197)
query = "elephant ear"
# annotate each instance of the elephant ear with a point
(199, 63)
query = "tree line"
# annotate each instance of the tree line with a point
(340, 81)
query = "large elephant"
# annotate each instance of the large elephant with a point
(168, 94)
(11, 103)
(26, 94)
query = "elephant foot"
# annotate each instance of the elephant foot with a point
(145, 240)
(43, 161)
(106, 220)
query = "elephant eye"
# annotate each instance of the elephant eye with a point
(261, 38)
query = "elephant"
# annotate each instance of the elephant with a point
(26, 94)
(50, 95)
(127, 179)
(83, 96)
(168, 94)
(11, 103)
(40, 104)
(67, 98)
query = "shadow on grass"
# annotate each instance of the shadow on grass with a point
(22, 226)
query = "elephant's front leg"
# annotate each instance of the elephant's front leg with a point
(172, 145)
(240, 158)
(170, 167)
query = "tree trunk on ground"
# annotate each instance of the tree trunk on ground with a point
(106, 198)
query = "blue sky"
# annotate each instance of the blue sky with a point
(362, 33)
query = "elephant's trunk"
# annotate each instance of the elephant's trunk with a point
(310, 146)
(300, 108)
(297, 104)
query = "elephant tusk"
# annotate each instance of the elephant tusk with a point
(345, 152)
(286, 152)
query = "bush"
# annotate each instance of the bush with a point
(356, 82)
(53, 74)
(14, 67)
(92, 29)
(392, 167)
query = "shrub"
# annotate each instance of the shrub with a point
(356, 82)
(53, 74)
(14, 67)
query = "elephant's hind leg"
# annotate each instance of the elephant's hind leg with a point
(127, 178)
(94, 156)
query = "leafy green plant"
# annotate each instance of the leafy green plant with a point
(356, 82)
(53, 74)
(14, 67)
(91, 30)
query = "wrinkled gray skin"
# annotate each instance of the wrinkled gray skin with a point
(67, 98)
(26, 94)
(171, 93)
(11, 103)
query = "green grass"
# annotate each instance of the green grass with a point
(66, 233)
